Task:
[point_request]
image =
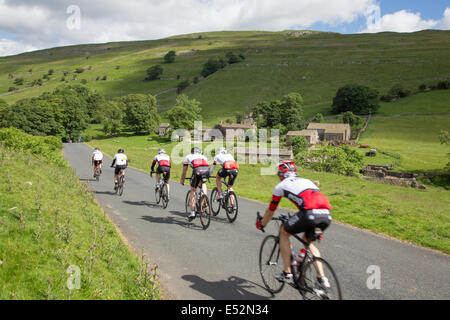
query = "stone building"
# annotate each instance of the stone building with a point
(332, 131)
(312, 136)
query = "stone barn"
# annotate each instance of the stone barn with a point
(332, 131)
(312, 136)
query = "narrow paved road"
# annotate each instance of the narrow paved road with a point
(221, 263)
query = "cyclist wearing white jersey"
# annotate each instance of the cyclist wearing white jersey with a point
(200, 172)
(121, 162)
(97, 159)
(314, 212)
(230, 168)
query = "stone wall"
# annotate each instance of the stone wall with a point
(385, 175)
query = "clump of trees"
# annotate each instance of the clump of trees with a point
(285, 114)
(154, 73)
(185, 113)
(357, 99)
(214, 65)
(170, 57)
(182, 86)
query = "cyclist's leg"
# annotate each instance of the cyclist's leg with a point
(158, 177)
(315, 251)
(167, 180)
(219, 184)
(285, 247)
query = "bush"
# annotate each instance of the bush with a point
(19, 81)
(357, 99)
(232, 58)
(170, 57)
(11, 89)
(79, 70)
(299, 145)
(50, 72)
(423, 87)
(318, 118)
(154, 73)
(443, 85)
(182, 86)
(399, 91)
(84, 81)
(342, 160)
(212, 66)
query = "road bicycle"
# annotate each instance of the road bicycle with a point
(304, 271)
(161, 191)
(228, 202)
(202, 205)
(120, 183)
(97, 173)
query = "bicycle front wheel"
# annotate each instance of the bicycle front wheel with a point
(232, 206)
(188, 203)
(309, 286)
(215, 203)
(271, 264)
(205, 212)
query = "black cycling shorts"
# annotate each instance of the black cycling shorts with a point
(165, 172)
(305, 221)
(232, 173)
(98, 162)
(119, 168)
(198, 175)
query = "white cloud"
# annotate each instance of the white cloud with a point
(400, 21)
(42, 24)
(445, 23)
(10, 47)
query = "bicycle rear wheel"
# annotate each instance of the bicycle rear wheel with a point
(232, 206)
(270, 263)
(205, 212)
(309, 286)
(165, 196)
(158, 196)
(120, 186)
(215, 203)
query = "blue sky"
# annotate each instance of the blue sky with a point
(27, 25)
(432, 9)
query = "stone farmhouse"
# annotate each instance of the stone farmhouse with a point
(312, 136)
(332, 131)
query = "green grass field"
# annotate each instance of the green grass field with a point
(277, 63)
(437, 101)
(50, 221)
(414, 139)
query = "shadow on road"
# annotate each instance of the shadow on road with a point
(143, 203)
(171, 220)
(234, 288)
(110, 193)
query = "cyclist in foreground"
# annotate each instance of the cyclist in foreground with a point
(229, 169)
(97, 160)
(164, 165)
(307, 197)
(121, 162)
(200, 170)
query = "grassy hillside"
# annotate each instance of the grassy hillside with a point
(277, 63)
(48, 222)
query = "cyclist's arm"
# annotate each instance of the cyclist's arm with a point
(114, 162)
(153, 165)
(271, 210)
(183, 174)
(211, 171)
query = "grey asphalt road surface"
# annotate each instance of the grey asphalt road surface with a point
(221, 263)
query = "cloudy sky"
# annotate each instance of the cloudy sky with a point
(27, 25)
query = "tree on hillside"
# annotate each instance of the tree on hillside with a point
(212, 66)
(351, 119)
(288, 111)
(185, 113)
(318, 118)
(141, 114)
(112, 117)
(4, 109)
(182, 86)
(232, 58)
(170, 57)
(154, 73)
(357, 99)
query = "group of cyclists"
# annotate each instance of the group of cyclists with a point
(314, 208)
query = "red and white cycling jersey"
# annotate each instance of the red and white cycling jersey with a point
(301, 192)
(196, 160)
(226, 161)
(163, 160)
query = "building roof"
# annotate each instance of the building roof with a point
(164, 125)
(302, 133)
(237, 126)
(330, 127)
(268, 151)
